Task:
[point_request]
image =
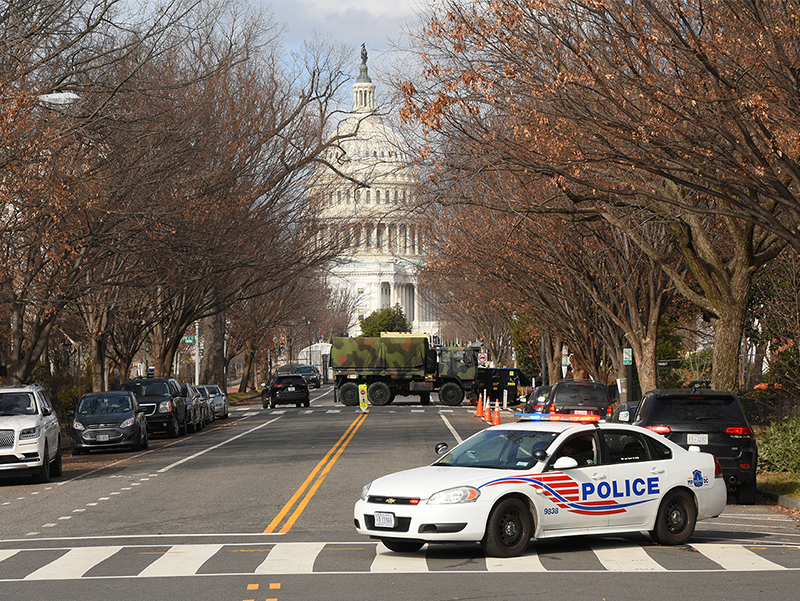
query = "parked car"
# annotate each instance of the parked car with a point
(196, 407)
(218, 399)
(623, 412)
(712, 420)
(164, 406)
(30, 435)
(578, 397)
(205, 398)
(310, 375)
(104, 420)
(286, 388)
(536, 401)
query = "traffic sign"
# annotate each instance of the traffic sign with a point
(627, 356)
(282, 360)
(483, 358)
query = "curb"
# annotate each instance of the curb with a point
(782, 500)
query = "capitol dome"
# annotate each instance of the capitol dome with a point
(368, 198)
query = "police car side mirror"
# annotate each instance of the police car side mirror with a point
(441, 448)
(540, 454)
(565, 463)
(624, 416)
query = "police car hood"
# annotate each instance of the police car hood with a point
(422, 482)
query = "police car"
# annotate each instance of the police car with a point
(542, 479)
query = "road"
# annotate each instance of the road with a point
(259, 507)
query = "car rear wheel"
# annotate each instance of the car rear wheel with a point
(508, 530)
(348, 394)
(402, 545)
(379, 394)
(675, 520)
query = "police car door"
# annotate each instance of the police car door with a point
(636, 473)
(570, 493)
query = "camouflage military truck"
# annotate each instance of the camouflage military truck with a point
(404, 366)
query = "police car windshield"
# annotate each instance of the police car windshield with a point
(499, 449)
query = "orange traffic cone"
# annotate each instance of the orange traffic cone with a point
(496, 420)
(487, 411)
(479, 411)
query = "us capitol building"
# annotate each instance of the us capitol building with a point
(369, 205)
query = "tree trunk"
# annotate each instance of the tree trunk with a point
(727, 342)
(98, 355)
(212, 368)
(249, 356)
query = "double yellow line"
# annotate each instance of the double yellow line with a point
(316, 476)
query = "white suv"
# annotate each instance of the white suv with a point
(30, 436)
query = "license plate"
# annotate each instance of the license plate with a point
(384, 520)
(102, 437)
(290, 389)
(697, 439)
(581, 412)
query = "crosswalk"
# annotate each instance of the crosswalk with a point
(154, 561)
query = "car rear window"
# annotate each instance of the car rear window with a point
(696, 408)
(588, 395)
(290, 380)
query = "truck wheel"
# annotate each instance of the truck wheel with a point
(379, 394)
(425, 398)
(451, 394)
(348, 394)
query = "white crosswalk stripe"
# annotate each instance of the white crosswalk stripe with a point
(736, 557)
(181, 560)
(74, 564)
(625, 558)
(387, 561)
(300, 558)
(291, 558)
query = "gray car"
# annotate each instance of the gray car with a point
(218, 400)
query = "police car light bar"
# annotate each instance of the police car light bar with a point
(557, 417)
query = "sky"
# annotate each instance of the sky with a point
(376, 23)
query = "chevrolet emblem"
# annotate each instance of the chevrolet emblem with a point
(390, 501)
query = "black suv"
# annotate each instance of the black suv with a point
(712, 420)
(164, 406)
(578, 397)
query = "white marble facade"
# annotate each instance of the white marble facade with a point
(372, 207)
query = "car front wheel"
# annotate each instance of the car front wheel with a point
(508, 530)
(56, 467)
(676, 519)
(43, 476)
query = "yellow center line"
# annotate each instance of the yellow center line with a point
(340, 445)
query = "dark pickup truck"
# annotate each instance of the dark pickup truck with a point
(164, 406)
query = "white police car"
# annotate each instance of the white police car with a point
(542, 479)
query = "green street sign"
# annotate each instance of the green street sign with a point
(188, 339)
(627, 356)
